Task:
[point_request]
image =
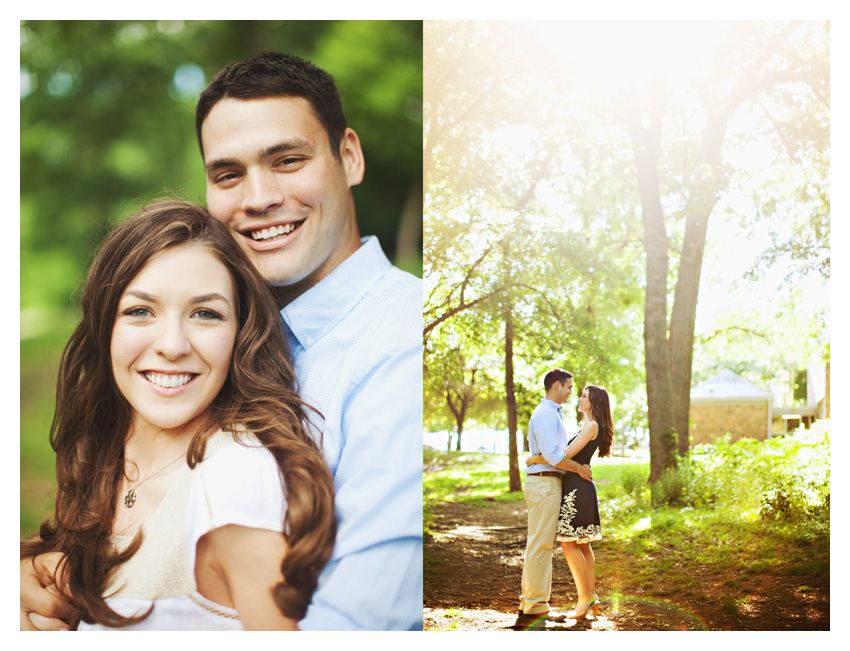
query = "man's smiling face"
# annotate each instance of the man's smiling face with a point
(273, 180)
(566, 390)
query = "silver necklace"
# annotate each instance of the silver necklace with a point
(130, 497)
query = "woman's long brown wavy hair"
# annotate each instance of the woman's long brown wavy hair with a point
(600, 411)
(92, 418)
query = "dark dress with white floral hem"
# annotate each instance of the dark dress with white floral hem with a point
(579, 518)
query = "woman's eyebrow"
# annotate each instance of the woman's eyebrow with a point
(212, 296)
(202, 298)
(138, 293)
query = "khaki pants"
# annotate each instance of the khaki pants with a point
(543, 496)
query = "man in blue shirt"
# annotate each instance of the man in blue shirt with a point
(280, 162)
(548, 437)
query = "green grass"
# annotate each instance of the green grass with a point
(731, 605)
(467, 477)
(474, 478)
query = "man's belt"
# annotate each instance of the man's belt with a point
(545, 473)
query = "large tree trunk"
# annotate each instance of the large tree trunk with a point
(647, 141)
(510, 401)
(706, 186)
(683, 316)
(669, 361)
(704, 194)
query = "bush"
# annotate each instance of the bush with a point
(775, 504)
(633, 479)
(672, 487)
(784, 478)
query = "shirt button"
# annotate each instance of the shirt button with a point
(309, 341)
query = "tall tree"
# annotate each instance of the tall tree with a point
(767, 62)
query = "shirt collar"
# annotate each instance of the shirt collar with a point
(550, 403)
(315, 312)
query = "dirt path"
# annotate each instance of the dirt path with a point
(474, 570)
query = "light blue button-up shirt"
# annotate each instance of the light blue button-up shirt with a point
(356, 341)
(547, 436)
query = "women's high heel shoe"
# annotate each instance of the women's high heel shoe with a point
(580, 614)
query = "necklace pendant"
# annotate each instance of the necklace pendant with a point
(130, 498)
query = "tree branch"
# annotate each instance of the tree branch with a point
(717, 333)
(461, 307)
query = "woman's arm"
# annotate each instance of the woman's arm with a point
(239, 567)
(588, 432)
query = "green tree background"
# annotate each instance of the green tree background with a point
(107, 123)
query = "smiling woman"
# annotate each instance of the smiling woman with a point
(172, 343)
(191, 494)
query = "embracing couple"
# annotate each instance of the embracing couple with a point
(561, 496)
(226, 453)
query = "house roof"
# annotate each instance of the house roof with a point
(727, 385)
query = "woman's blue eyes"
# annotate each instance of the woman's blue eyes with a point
(207, 314)
(142, 312)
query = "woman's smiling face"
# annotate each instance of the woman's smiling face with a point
(584, 403)
(173, 337)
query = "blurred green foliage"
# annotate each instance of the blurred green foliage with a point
(107, 123)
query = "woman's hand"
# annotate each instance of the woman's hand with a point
(534, 458)
(42, 607)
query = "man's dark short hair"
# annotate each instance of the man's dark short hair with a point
(277, 75)
(555, 375)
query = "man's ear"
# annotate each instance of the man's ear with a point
(352, 157)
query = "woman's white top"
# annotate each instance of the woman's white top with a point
(236, 483)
